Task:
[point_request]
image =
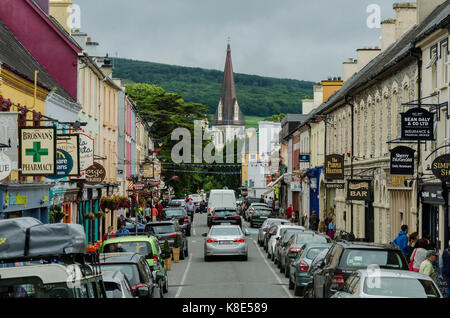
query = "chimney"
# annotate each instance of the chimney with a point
(387, 33)
(59, 9)
(92, 47)
(425, 7)
(80, 38)
(43, 4)
(365, 55)
(406, 17)
(107, 66)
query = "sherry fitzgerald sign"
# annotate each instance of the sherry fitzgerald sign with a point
(37, 151)
(402, 161)
(417, 124)
(359, 190)
(441, 168)
(334, 167)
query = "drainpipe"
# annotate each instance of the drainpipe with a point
(351, 160)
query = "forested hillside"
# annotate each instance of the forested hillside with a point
(257, 95)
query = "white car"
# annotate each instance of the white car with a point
(279, 229)
(225, 240)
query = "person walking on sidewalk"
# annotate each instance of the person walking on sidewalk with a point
(445, 267)
(154, 214)
(427, 265)
(289, 211)
(419, 254)
(402, 240)
(314, 221)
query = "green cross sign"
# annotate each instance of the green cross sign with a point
(36, 151)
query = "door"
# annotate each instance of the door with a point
(430, 222)
(369, 223)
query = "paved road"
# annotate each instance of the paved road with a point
(256, 278)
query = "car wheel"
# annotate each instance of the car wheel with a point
(166, 285)
(273, 257)
(206, 258)
(268, 254)
(282, 268)
(298, 291)
(275, 261)
(291, 284)
(182, 254)
(245, 258)
(188, 232)
(286, 271)
(186, 253)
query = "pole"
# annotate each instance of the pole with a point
(324, 160)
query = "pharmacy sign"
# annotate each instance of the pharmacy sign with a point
(37, 155)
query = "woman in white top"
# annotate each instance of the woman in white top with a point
(419, 254)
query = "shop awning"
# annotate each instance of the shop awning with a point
(272, 185)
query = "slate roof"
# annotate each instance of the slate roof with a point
(19, 60)
(228, 97)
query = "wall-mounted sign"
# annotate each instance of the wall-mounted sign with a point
(86, 152)
(95, 174)
(148, 171)
(64, 165)
(402, 161)
(71, 145)
(8, 133)
(441, 168)
(5, 166)
(334, 185)
(334, 167)
(417, 124)
(359, 190)
(37, 151)
(304, 158)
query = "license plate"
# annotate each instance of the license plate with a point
(225, 242)
(263, 217)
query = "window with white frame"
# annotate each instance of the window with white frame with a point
(444, 54)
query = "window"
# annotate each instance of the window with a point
(363, 258)
(444, 53)
(400, 287)
(432, 63)
(17, 291)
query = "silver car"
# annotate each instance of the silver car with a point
(225, 240)
(388, 283)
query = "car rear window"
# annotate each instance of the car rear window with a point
(142, 248)
(301, 239)
(362, 258)
(400, 287)
(174, 212)
(313, 252)
(227, 231)
(163, 228)
(224, 213)
(129, 270)
(262, 212)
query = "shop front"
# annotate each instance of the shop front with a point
(25, 200)
(88, 209)
(434, 215)
(314, 177)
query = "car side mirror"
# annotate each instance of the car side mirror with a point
(205, 234)
(142, 291)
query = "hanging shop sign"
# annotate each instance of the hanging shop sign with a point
(304, 158)
(95, 174)
(148, 171)
(334, 185)
(417, 124)
(139, 186)
(8, 134)
(359, 190)
(71, 145)
(157, 171)
(441, 168)
(334, 167)
(155, 183)
(64, 165)
(37, 151)
(5, 166)
(402, 161)
(86, 152)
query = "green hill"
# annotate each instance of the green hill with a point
(257, 95)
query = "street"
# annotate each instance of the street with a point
(225, 277)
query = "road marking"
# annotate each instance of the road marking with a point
(184, 276)
(271, 269)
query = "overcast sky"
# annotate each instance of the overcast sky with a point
(299, 39)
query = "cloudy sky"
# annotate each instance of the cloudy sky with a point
(299, 39)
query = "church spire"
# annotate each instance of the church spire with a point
(228, 112)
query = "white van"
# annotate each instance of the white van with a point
(221, 199)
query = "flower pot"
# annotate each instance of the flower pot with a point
(168, 263)
(176, 254)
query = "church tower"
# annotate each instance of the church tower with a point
(229, 118)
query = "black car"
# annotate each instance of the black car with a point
(136, 269)
(248, 201)
(179, 214)
(168, 230)
(281, 243)
(225, 215)
(344, 258)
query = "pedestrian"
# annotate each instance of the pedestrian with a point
(419, 255)
(412, 240)
(427, 265)
(154, 213)
(277, 207)
(159, 207)
(402, 240)
(431, 245)
(289, 211)
(331, 226)
(148, 210)
(190, 209)
(322, 227)
(445, 267)
(314, 221)
(122, 231)
(270, 202)
(121, 221)
(109, 234)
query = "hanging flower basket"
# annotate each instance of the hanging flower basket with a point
(89, 216)
(122, 202)
(99, 214)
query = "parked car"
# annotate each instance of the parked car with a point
(168, 230)
(253, 207)
(179, 214)
(225, 240)
(131, 226)
(344, 258)
(177, 203)
(117, 285)
(221, 198)
(282, 242)
(225, 215)
(136, 269)
(388, 283)
(258, 216)
(268, 235)
(145, 245)
(274, 235)
(298, 272)
(51, 281)
(306, 280)
(295, 243)
(266, 226)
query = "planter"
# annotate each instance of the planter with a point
(176, 254)
(168, 263)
